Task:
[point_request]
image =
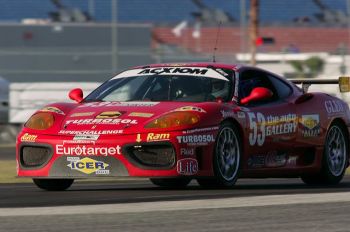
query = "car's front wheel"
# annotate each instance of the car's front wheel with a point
(171, 182)
(226, 158)
(53, 184)
(335, 158)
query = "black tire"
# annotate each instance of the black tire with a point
(334, 160)
(171, 182)
(53, 184)
(227, 149)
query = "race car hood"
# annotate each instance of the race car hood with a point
(118, 117)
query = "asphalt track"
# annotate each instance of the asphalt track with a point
(137, 205)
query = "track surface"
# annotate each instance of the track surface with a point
(320, 216)
(137, 205)
(28, 195)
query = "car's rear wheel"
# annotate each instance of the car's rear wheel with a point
(335, 158)
(53, 184)
(226, 158)
(171, 182)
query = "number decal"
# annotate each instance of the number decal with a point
(256, 135)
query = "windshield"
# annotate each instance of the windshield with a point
(163, 88)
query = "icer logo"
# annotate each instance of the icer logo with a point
(88, 165)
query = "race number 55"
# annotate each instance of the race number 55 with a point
(257, 129)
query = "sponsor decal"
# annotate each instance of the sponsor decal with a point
(262, 126)
(86, 150)
(187, 151)
(198, 130)
(28, 138)
(190, 108)
(187, 166)
(157, 137)
(138, 138)
(88, 165)
(140, 114)
(159, 71)
(178, 71)
(91, 132)
(244, 109)
(275, 159)
(272, 159)
(256, 161)
(109, 114)
(292, 160)
(240, 114)
(100, 121)
(78, 142)
(86, 137)
(196, 139)
(52, 110)
(82, 114)
(119, 104)
(310, 125)
(222, 72)
(334, 106)
(227, 114)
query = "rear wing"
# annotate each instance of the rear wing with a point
(343, 82)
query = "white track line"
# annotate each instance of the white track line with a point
(180, 205)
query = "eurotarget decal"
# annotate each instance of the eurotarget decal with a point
(86, 150)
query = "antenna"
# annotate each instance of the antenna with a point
(216, 42)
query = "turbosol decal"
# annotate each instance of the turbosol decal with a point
(262, 126)
(88, 165)
(191, 108)
(196, 140)
(28, 138)
(109, 114)
(52, 110)
(310, 125)
(187, 166)
(100, 121)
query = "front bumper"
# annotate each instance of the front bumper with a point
(142, 155)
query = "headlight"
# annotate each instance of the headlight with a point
(174, 119)
(40, 121)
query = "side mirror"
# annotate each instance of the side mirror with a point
(257, 94)
(76, 95)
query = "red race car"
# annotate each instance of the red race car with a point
(176, 122)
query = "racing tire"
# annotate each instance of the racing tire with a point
(226, 158)
(53, 184)
(334, 160)
(171, 182)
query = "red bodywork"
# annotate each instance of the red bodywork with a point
(283, 138)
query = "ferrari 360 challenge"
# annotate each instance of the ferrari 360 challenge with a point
(176, 122)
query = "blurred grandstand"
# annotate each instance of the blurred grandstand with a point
(73, 40)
